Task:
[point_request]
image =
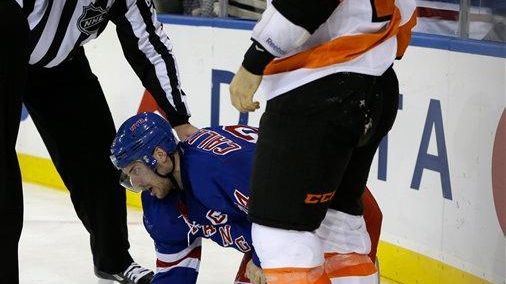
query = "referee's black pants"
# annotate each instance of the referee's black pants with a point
(71, 114)
(13, 70)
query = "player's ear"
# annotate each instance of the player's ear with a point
(160, 155)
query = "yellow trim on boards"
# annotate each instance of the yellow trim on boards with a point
(406, 266)
(397, 264)
(42, 171)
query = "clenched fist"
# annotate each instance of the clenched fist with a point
(242, 89)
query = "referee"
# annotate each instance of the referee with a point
(43, 65)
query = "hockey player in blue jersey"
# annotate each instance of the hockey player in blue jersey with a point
(192, 190)
(196, 189)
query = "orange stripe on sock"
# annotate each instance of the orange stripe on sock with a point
(342, 265)
(296, 275)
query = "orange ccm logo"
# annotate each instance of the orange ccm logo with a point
(319, 198)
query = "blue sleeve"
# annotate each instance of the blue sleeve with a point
(177, 252)
(181, 266)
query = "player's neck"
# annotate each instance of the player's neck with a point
(177, 170)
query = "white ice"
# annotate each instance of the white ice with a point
(54, 246)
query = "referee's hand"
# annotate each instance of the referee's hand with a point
(242, 88)
(184, 131)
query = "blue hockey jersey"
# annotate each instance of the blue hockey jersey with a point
(216, 165)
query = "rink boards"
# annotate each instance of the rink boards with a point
(439, 176)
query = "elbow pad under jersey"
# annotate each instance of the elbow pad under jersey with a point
(286, 25)
(277, 34)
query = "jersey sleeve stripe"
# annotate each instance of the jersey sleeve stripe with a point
(172, 257)
(338, 50)
(37, 21)
(153, 63)
(194, 254)
(67, 13)
(192, 263)
(139, 28)
(163, 46)
(27, 6)
(404, 35)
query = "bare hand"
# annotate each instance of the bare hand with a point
(242, 89)
(255, 274)
(183, 131)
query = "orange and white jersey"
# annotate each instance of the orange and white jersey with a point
(361, 36)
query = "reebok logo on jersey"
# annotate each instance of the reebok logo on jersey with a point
(275, 47)
(89, 22)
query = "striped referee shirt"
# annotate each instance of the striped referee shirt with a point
(59, 27)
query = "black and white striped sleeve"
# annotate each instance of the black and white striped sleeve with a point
(149, 51)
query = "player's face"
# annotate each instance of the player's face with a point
(142, 178)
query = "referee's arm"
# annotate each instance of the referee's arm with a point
(149, 51)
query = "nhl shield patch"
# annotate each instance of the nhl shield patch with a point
(91, 19)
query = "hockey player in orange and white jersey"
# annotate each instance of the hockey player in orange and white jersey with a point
(332, 95)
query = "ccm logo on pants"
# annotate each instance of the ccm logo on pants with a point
(319, 198)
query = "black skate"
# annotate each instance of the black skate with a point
(134, 274)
